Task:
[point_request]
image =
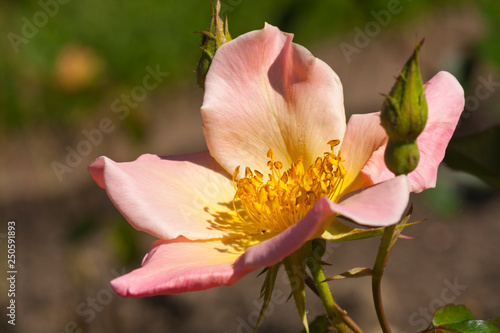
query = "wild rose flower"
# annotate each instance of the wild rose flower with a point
(281, 165)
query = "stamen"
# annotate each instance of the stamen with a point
(287, 196)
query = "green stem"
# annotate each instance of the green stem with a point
(388, 239)
(338, 316)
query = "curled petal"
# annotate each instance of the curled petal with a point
(189, 195)
(275, 249)
(378, 205)
(263, 91)
(445, 103)
(180, 265)
(375, 206)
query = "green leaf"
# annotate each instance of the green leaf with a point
(472, 326)
(451, 314)
(267, 291)
(295, 266)
(495, 320)
(319, 325)
(459, 319)
(352, 273)
(477, 154)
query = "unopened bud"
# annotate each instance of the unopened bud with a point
(217, 35)
(404, 112)
(403, 116)
(401, 157)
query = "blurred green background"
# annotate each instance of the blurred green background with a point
(66, 65)
(116, 40)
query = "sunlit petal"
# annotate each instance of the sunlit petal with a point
(178, 266)
(189, 195)
(262, 92)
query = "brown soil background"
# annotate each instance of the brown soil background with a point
(56, 275)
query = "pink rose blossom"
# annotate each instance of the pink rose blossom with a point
(275, 111)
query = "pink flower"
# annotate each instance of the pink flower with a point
(274, 109)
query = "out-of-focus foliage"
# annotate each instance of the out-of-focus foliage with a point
(478, 155)
(112, 42)
(66, 74)
(489, 48)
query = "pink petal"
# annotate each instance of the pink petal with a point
(375, 206)
(378, 205)
(189, 195)
(275, 249)
(445, 102)
(375, 170)
(363, 136)
(178, 266)
(262, 92)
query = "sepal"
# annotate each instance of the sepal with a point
(295, 266)
(266, 291)
(352, 273)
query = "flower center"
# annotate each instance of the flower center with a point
(287, 196)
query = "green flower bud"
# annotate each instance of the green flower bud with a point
(404, 112)
(217, 35)
(401, 157)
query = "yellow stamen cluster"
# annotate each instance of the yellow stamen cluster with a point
(287, 196)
